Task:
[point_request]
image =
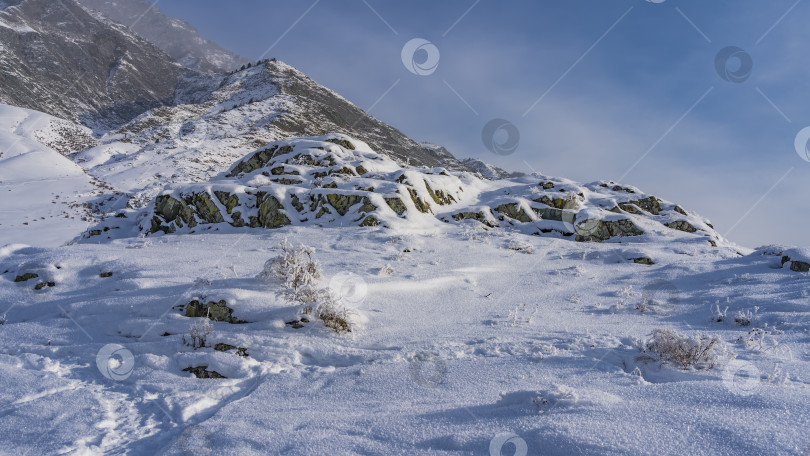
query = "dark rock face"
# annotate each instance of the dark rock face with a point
(643, 260)
(216, 311)
(797, 266)
(323, 111)
(59, 59)
(203, 372)
(175, 37)
(594, 230)
(682, 225)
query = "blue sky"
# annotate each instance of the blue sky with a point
(623, 79)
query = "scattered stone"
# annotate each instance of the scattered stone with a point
(650, 205)
(342, 143)
(796, 266)
(558, 203)
(202, 372)
(104, 275)
(42, 285)
(513, 211)
(643, 260)
(25, 277)
(479, 216)
(216, 311)
(593, 230)
(396, 205)
(682, 225)
(240, 351)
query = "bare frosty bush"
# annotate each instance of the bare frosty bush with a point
(294, 268)
(334, 316)
(719, 315)
(198, 334)
(299, 273)
(699, 351)
(746, 317)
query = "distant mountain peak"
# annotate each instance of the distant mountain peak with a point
(179, 39)
(59, 59)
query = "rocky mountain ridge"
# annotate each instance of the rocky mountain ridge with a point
(335, 180)
(59, 59)
(217, 119)
(179, 39)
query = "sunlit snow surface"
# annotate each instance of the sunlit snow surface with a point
(464, 339)
(41, 191)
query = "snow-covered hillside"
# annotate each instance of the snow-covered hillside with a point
(44, 195)
(247, 263)
(337, 180)
(217, 119)
(443, 314)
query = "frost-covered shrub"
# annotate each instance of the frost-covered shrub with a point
(334, 316)
(299, 274)
(307, 295)
(198, 334)
(294, 268)
(699, 351)
(745, 318)
(520, 246)
(719, 315)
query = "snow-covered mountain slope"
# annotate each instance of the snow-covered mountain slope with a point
(336, 180)
(466, 339)
(217, 119)
(44, 197)
(59, 59)
(176, 37)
